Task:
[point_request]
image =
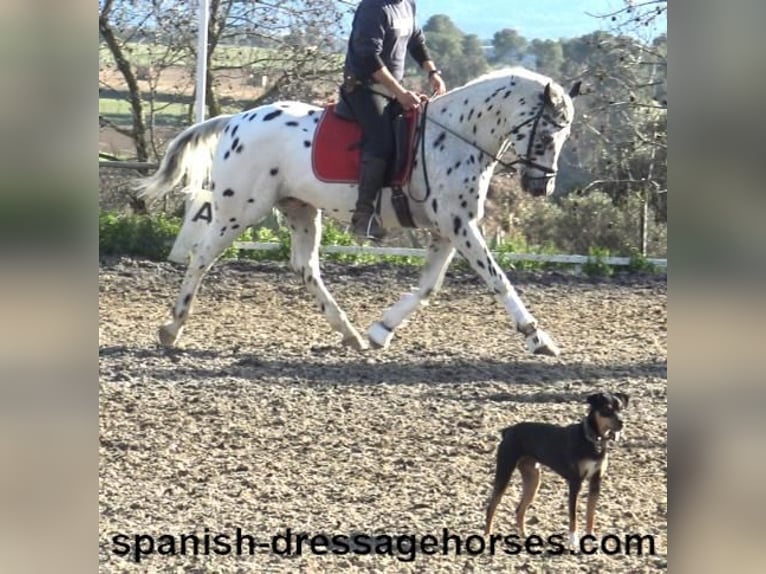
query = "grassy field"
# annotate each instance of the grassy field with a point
(141, 54)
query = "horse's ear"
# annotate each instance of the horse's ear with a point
(574, 91)
(547, 98)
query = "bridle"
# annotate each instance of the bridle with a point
(547, 172)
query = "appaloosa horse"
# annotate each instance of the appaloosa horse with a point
(260, 159)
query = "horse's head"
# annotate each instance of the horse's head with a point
(538, 139)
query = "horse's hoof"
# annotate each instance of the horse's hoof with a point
(167, 336)
(540, 343)
(356, 342)
(379, 335)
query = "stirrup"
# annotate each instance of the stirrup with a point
(372, 229)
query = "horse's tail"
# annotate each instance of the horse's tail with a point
(190, 154)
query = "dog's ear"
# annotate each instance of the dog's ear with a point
(624, 398)
(595, 399)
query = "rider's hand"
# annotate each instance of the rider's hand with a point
(437, 84)
(408, 99)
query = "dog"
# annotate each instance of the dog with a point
(577, 452)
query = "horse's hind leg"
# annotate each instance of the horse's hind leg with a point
(203, 255)
(470, 243)
(306, 230)
(219, 235)
(440, 253)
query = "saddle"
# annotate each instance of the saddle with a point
(336, 149)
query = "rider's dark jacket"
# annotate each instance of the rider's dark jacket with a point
(382, 34)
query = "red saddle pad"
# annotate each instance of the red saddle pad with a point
(335, 152)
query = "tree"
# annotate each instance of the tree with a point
(460, 57)
(548, 55)
(291, 42)
(508, 46)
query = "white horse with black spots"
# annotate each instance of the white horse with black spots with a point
(260, 159)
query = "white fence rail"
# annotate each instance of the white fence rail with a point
(412, 252)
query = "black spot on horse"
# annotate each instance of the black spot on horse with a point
(461, 117)
(235, 226)
(464, 204)
(457, 223)
(234, 131)
(226, 155)
(434, 205)
(312, 112)
(440, 139)
(187, 299)
(226, 129)
(240, 148)
(212, 186)
(306, 143)
(470, 114)
(291, 123)
(274, 171)
(251, 200)
(232, 219)
(468, 244)
(228, 192)
(480, 264)
(272, 115)
(449, 171)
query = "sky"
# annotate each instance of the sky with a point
(543, 19)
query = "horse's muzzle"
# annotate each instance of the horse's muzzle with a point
(538, 186)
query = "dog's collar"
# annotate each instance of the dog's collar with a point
(597, 440)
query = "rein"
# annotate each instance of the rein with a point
(524, 160)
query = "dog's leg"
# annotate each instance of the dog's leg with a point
(574, 490)
(594, 487)
(506, 462)
(530, 477)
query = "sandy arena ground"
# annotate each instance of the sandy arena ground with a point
(262, 421)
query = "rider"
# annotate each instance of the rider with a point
(382, 33)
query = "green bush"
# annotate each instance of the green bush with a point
(596, 266)
(576, 223)
(152, 236)
(149, 236)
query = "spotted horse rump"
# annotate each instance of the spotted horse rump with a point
(336, 150)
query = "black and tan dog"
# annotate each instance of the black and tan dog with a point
(577, 452)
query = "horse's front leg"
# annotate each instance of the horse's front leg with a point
(440, 253)
(469, 242)
(306, 231)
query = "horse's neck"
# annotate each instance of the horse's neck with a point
(484, 113)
